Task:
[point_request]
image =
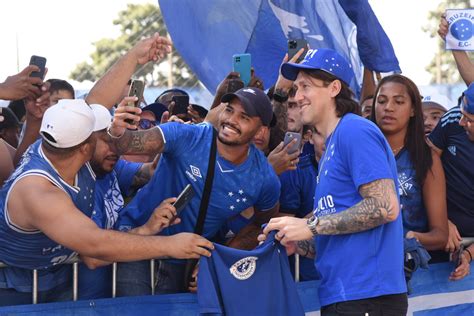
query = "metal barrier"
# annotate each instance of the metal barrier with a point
(466, 242)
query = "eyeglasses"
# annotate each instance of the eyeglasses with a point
(146, 124)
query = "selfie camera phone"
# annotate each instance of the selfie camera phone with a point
(183, 199)
(242, 64)
(181, 103)
(289, 136)
(294, 46)
(40, 62)
(136, 89)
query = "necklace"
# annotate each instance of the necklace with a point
(323, 160)
(397, 150)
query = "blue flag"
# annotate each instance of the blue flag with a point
(208, 33)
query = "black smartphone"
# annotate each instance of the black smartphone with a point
(294, 46)
(183, 199)
(234, 85)
(136, 89)
(181, 103)
(40, 62)
(289, 136)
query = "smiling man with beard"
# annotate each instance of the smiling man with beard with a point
(242, 179)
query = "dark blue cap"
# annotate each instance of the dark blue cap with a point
(157, 109)
(324, 59)
(255, 103)
(469, 94)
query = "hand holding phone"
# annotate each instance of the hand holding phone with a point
(40, 62)
(242, 64)
(289, 136)
(294, 46)
(183, 199)
(136, 90)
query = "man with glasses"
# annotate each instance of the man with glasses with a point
(453, 140)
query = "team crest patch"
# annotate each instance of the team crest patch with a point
(244, 268)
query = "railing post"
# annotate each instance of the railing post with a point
(297, 267)
(75, 280)
(35, 286)
(114, 279)
(152, 276)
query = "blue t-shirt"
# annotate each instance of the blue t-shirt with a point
(97, 283)
(31, 249)
(185, 161)
(356, 154)
(458, 164)
(297, 197)
(411, 195)
(239, 282)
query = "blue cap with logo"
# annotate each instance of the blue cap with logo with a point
(254, 101)
(324, 59)
(469, 94)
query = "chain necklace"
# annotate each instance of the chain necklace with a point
(325, 152)
(397, 150)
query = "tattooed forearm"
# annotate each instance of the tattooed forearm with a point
(379, 206)
(306, 248)
(149, 141)
(142, 176)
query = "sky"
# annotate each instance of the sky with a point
(63, 32)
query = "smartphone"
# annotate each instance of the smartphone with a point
(294, 46)
(41, 63)
(234, 85)
(289, 136)
(181, 103)
(242, 64)
(136, 89)
(183, 199)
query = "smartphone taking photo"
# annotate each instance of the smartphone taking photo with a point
(242, 64)
(294, 46)
(289, 136)
(136, 90)
(184, 198)
(181, 103)
(40, 62)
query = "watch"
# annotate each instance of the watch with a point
(280, 96)
(312, 222)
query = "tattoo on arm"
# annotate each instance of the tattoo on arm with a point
(306, 248)
(142, 176)
(379, 206)
(149, 141)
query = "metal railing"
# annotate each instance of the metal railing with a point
(75, 274)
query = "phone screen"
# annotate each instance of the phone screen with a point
(183, 199)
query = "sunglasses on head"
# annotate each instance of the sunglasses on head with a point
(146, 124)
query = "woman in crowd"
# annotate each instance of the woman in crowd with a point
(398, 113)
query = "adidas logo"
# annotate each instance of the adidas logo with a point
(452, 150)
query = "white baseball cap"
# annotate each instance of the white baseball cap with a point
(70, 122)
(438, 101)
(103, 118)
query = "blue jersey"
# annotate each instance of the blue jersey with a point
(184, 161)
(411, 195)
(109, 202)
(239, 282)
(356, 154)
(457, 159)
(31, 249)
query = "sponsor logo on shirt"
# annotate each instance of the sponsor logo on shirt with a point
(244, 268)
(452, 150)
(195, 171)
(326, 206)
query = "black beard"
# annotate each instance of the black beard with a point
(225, 142)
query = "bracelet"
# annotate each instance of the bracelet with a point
(113, 136)
(470, 255)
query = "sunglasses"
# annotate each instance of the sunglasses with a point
(146, 124)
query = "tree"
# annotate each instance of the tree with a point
(135, 22)
(443, 67)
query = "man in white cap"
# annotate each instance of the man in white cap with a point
(434, 107)
(45, 212)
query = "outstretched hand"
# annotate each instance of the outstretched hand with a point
(21, 85)
(153, 48)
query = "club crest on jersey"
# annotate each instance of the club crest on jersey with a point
(244, 268)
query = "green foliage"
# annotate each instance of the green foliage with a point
(136, 22)
(443, 67)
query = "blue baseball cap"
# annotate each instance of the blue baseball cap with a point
(324, 59)
(469, 94)
(254, 101)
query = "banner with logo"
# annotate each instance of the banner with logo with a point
(460, 29)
